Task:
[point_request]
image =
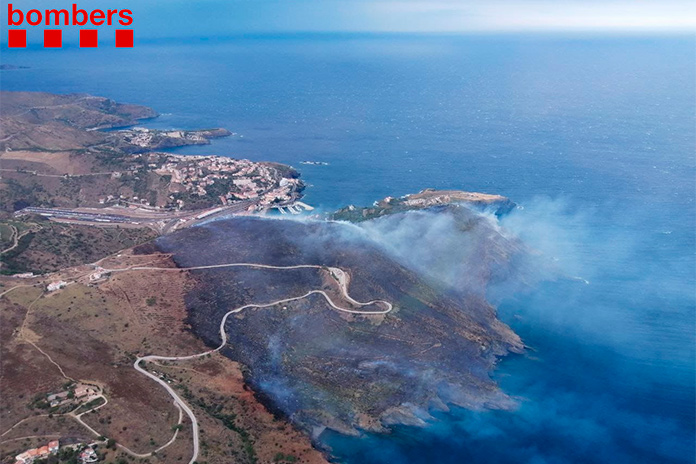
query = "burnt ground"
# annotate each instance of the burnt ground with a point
(94, 332)
(324, 368)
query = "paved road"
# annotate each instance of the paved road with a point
(163, 221)
(338, 274)
(38, 174)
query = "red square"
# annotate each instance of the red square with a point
(124, 38)
(17, 38)
(53, 38)
(88, 38)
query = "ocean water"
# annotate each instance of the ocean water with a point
(592, 136)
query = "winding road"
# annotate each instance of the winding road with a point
(338, 274)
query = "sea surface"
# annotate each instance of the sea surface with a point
(592, 136)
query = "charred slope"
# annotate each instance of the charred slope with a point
(326, 368)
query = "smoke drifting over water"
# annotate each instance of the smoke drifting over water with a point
(455, 246)
(605, 300)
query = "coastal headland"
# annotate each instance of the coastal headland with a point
(202, 338)
(78, 160)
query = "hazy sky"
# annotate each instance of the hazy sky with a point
(192, 18)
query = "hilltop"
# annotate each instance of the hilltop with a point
(348, 372)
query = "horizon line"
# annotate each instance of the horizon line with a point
(575, 33)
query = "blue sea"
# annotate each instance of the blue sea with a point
(592, 136)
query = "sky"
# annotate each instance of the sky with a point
(211, 18)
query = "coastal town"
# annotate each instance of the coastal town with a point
(226, 179)
(121, 178)
(186, 190)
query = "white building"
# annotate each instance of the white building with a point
(57, 285)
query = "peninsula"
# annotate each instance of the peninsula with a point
(148, 316)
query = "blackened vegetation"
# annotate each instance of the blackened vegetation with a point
(326, 368)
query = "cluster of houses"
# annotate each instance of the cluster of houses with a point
(86, 455)
(282, 194)
(146, 138)
(250, 180)
(196, 174)
(80, 392)
(42, 452)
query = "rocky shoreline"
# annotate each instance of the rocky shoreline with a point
(324, 370)
(428, 198)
